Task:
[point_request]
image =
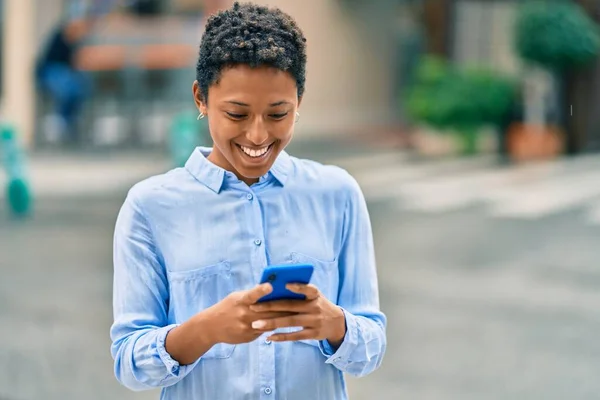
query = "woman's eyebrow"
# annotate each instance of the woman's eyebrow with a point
(239, 103)
(279, 103)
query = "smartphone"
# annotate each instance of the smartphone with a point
(280, 275)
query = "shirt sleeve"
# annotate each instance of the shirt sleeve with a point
(140, 298)
(364, 344)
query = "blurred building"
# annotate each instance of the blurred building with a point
(360, 55)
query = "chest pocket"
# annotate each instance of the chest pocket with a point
(196, 290)
(325, 277)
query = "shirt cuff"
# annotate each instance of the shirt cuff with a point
(340, 357)
(171, 365)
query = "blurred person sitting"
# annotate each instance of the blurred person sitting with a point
(57, 75)
(190, 245)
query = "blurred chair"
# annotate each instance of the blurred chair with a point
(163, 92)
(46, 129)
(104, 122)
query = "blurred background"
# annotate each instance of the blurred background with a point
(471, 126)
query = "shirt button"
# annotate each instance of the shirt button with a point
(267, 341)
(249, 196)
(257, 242)
(268, 390)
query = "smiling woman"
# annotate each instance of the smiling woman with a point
(250, 80)
(251, 115)
(190, 245)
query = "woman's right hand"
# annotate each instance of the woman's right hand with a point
(228, 321)
(231, 319)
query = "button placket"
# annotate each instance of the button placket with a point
(266, 376)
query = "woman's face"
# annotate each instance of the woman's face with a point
(251, 114)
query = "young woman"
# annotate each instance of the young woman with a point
(190, 245)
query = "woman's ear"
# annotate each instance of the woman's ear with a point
(199, 98)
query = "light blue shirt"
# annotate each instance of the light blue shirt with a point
(186, 239)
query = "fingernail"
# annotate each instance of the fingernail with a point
(258, 324)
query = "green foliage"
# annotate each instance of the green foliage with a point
(444, 97)
(555, 34)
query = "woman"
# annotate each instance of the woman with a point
(190, 245)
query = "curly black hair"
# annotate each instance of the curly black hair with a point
(253, 35)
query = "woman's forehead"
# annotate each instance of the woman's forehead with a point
(259, 82)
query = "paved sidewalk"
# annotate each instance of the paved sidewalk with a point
(478, 307)
(87, 173)
(72, 175)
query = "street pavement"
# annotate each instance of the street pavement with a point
(488, 275)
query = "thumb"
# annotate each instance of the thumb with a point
(256, 293)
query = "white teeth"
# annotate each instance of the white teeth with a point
(255, 153)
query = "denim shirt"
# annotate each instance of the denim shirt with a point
(186, 239)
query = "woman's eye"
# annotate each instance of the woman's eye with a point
(235, 116)
(279, 116)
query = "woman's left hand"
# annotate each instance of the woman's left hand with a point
(320, 318)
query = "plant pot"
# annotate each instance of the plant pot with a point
(429, 142)
(528, 142)
(477, 141)
(467, 140)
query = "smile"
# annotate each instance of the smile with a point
(255, 153)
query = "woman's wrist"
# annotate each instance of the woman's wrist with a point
(204, 328)
(337, 338)
(192, 339)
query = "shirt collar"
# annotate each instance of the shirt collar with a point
(213, 176)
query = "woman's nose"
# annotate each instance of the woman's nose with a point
(257, 133)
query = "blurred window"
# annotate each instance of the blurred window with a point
(483, 34)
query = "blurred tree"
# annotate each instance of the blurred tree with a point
(561, 38)
(557, 36)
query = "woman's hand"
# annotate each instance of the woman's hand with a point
(228, 321)
(231, 319)
(320, 318)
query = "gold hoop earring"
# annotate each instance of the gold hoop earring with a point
(297, 116)
(200, 116)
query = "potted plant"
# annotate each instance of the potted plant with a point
(552, 38)
(458, 104)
